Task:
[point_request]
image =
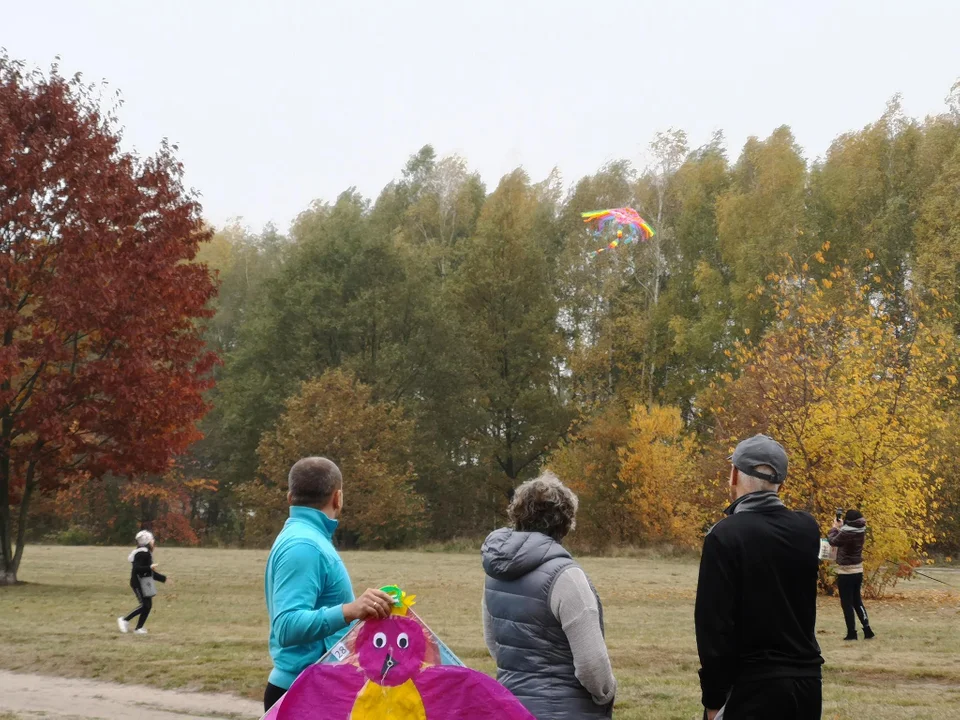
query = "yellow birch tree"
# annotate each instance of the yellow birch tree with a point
(856, 398)
(660, 471)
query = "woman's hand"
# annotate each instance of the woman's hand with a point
(154, 567)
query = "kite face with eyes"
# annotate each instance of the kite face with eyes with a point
(392, 650)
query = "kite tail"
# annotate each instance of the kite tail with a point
(593, 215)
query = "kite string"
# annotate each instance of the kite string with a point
(928, 577)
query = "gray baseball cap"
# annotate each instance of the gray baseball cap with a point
(761, 450)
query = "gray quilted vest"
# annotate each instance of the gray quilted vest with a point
(534, 660)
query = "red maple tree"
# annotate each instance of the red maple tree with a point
(102, 365)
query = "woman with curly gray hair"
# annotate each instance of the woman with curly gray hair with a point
(542, 617)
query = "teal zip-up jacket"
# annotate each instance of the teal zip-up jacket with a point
(306, 585)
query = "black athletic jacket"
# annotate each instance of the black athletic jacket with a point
(756, 604)
(142, 560)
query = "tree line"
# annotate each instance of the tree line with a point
(446, 340)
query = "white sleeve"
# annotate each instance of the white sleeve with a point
(488, 637)
(574, 605)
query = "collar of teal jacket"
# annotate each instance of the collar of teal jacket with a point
(315, 518)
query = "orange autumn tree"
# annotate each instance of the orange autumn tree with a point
(855, 398)
(102, 363)
(637, 476)
(336, 416)
(659, 469)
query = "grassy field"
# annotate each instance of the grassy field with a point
(208, 630)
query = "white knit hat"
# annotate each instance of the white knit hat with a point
(144, 538)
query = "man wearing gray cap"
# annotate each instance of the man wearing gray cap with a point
(756, 604)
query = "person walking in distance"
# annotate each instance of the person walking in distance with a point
(143, 573)
(848, 537)
(756, 606)
(309, 597)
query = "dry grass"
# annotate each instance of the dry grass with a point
(208, 631)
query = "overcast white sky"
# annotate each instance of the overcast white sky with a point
(274, 104)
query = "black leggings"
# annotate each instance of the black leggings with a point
(851, 602)
(271, 696)
(146, 604)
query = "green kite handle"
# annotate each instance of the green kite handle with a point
(395, 592)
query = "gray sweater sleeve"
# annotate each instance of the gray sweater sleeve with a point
(573, 603)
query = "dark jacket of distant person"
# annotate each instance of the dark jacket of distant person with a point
(848, 540)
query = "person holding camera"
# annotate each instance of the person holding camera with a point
(848, 535)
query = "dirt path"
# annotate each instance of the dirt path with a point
(36, 696)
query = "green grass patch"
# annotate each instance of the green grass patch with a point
(208, 630)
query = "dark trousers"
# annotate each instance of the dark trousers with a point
(851, 602)
(271, 696)
(146, 604)
(776, 699)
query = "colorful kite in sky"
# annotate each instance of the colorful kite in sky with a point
(395, 668)
(630, 226)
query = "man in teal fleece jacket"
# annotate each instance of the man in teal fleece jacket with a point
(309, 596)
